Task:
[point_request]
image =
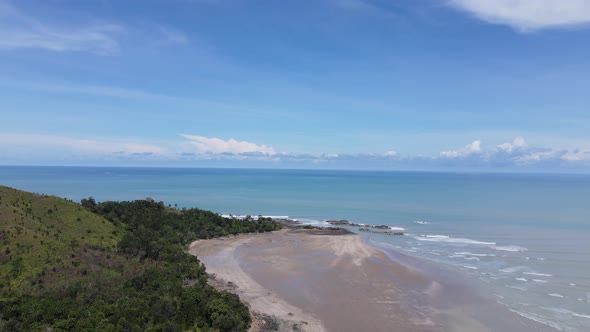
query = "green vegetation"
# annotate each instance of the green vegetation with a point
(112, 266)
(310, 227)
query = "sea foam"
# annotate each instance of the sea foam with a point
(513, 269)
(538, 274)
(538, 319)
(393, 228)
(253, 217)
(466, 253)
(509, 248)
(448, 239)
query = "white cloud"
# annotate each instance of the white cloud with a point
(470, 149)
(368, 6)
(517, 144)
(528, 15)
(510, 155)
(98, 90)
(516, 153)
(80, 145)
(354, 4)
(172, 36)
(18, 30)
(391, 153)
(577, 155)
(231, 146)
(539, 156)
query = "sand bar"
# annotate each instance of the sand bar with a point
(308, 281)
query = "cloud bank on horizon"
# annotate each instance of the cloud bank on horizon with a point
(368, 84)
(513, 155)
(218, 146)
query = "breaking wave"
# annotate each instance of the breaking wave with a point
(448, 239)
(509, 248)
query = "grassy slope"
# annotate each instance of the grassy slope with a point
(46, 241)
(64, 268)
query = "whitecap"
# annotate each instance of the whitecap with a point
(539, 280)
(537, 319)
(470, 267)
(556, 295)
(421, 222)
(401, 229)
(513, 269)
(566, 312)
(447, 239)
(538, 274)
(230, 216)
(509, 248)
(472, 254)
(521, 279)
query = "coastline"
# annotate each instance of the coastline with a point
(306, 280)
(219, 258)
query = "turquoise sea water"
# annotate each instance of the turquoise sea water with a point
(523, 238)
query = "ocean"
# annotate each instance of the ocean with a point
(524, 239)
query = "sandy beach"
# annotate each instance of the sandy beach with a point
(302, 280)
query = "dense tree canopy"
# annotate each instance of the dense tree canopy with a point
(147, 282)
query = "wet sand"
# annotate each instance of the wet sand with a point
(315, 282)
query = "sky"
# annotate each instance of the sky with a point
(459, 85)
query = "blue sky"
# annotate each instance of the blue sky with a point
(364, 84)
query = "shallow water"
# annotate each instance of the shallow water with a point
(522, 239)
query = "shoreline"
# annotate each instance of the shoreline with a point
(302, 280)
(266, 307)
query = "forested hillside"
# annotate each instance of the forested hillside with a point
(112, 266)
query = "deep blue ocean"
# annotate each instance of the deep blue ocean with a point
(524, 238)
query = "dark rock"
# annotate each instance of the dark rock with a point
(338, 222)
(381, 227)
